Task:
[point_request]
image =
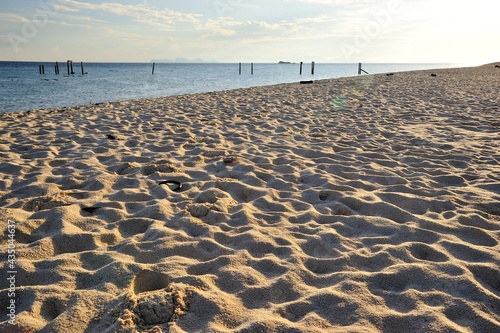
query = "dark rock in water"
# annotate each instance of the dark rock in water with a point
(497, 66)
(111, 137)
(434, 75)
(306, 82)
(389, 74)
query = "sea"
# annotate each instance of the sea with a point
(22, 87)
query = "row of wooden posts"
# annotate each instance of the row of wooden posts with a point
(301, 66)
(251, 68)
(69, 65)
(360, 69)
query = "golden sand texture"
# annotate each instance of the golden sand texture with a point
(365, 204)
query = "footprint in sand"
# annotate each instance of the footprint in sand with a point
(49, 202)
(211, 199)
(155, 302)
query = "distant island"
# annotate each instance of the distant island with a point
(285, 62)
(183, 61)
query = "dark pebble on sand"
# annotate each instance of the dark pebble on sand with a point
(90, 210)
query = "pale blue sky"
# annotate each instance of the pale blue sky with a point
(465, 32)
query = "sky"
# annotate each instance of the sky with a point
(325, 31)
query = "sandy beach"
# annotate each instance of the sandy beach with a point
(363, 204)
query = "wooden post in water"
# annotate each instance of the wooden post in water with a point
(40, 69)
(57, 68)
(43, 69)
(360, 70)
(82, 68)
(312, 68)
(301, 63)
(240, 69)
(153, 71)
(252, 68)
(69, 64)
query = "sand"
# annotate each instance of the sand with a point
(365, 204)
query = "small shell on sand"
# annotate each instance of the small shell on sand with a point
(174, 185)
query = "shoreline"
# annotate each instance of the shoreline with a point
(171, 91)
(367, 204)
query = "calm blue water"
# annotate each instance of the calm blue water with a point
(23, 88)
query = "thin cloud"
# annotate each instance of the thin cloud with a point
(163, 19)
(79, 18)
(342, 3)
(66, 24)
(221, 26)
(6, 17)
(298, 28)
(63, 8)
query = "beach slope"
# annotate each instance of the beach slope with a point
(364, 204)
